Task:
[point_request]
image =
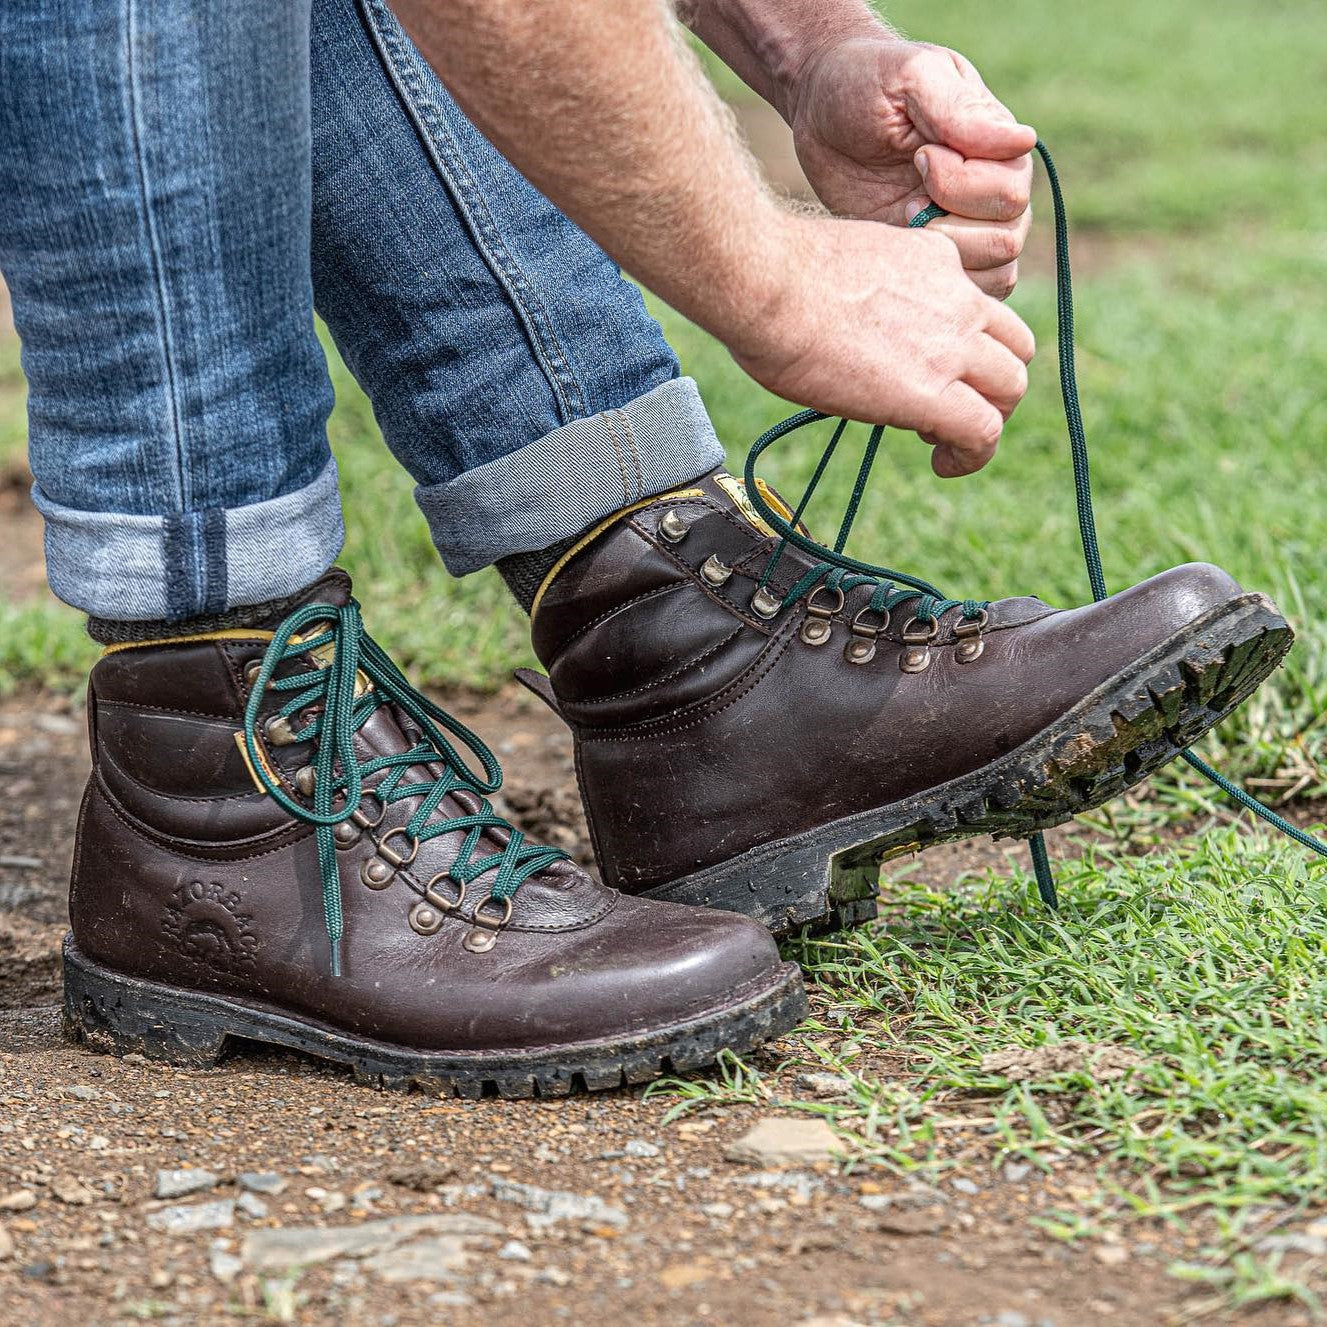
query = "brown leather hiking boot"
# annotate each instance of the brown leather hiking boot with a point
(280, 843)
(764, 746)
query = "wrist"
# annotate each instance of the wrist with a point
(793, 68)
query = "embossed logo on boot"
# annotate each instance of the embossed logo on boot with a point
(204, 922)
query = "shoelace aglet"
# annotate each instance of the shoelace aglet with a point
(1041, 867)
(336, 956)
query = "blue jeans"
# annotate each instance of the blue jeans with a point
(180, 185)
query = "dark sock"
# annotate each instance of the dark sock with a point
(108, 631)
(526, 572)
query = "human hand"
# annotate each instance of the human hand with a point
(883, 126)
(882, 325)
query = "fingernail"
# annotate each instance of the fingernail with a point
(923, 163)
(915, 206)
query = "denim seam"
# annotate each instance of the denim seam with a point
(635, 452)
(154, 248)
(444, 153)
(627, 497)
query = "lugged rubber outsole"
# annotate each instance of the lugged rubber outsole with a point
(111, 1012)
(1125, 730)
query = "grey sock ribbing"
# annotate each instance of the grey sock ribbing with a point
(108, 631)
(526, 572)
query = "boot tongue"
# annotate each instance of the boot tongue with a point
(731, 490)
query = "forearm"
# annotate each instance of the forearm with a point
(600, 106)
(767, 42)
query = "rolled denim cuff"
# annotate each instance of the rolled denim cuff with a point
(571, 478)
(135, 568)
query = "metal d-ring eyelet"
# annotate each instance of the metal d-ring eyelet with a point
(428, 914)
(484, 935)
(970, 643)
(713, 572)
(391, 855)
(860, 649)
(764, 604)
(817, 624)
(359, 818)
(916, 656)
(673, 528)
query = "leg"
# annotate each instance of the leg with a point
(154, 221)
(512, 370)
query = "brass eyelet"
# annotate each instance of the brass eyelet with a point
(817, 625)
(390, 854)
(713, 572)
(376, 873)
(251, 670)
(344, 834)
(306, 780)
(673, 528)
(425, 919)
(917, 657)
(861, 648)
(278, 731)
(764, 604)
(484, 935)
(969, 634)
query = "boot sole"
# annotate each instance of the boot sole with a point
(1125, 730)
(118, 1014)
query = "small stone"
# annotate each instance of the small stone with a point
(1011, 1318)
(720, 1211)
(252, 1206)
(637, 1147)
(133, 1058)
(1112, 1255)
(225, 1266)
(18, 1200)
(81, 1092)
(553, 1276)
(786, 1141)
(161, 1279)
(181, 1183)
(913, 1221)
(262, 1181)
(514, 1251)
(6, 1245)
(965, 1186)
(549, 1206)
(188, 1217)
(69, 1190)
(1015, 1172)
(825, 1086)
(398, 1248)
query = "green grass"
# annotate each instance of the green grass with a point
(1205, 967)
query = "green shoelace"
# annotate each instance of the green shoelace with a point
(335, 714)
(837, 570)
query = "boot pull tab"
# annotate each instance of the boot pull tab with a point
(539, 684)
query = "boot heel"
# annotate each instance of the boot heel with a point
(122, 1016)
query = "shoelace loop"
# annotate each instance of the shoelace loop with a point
(930, 602)
(327, 695)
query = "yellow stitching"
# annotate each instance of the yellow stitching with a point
(599, 529)
(231, 633)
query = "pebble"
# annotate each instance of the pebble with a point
(547, 1207)
(1015, 1172)
(514, 1251)
(252, 1205)
(81, 1092)
(19, 1200)
(553, 1276)
(720, 1211)
(69, 1190)
(225, 1266)
(398, 1248)
(825, 1086)
(261, 1181)
(188, 1217)
(1112, 1255)
(965, 1186)
(785, 1141)
(6, 1245)
(181, 1183)
(637, 1147)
